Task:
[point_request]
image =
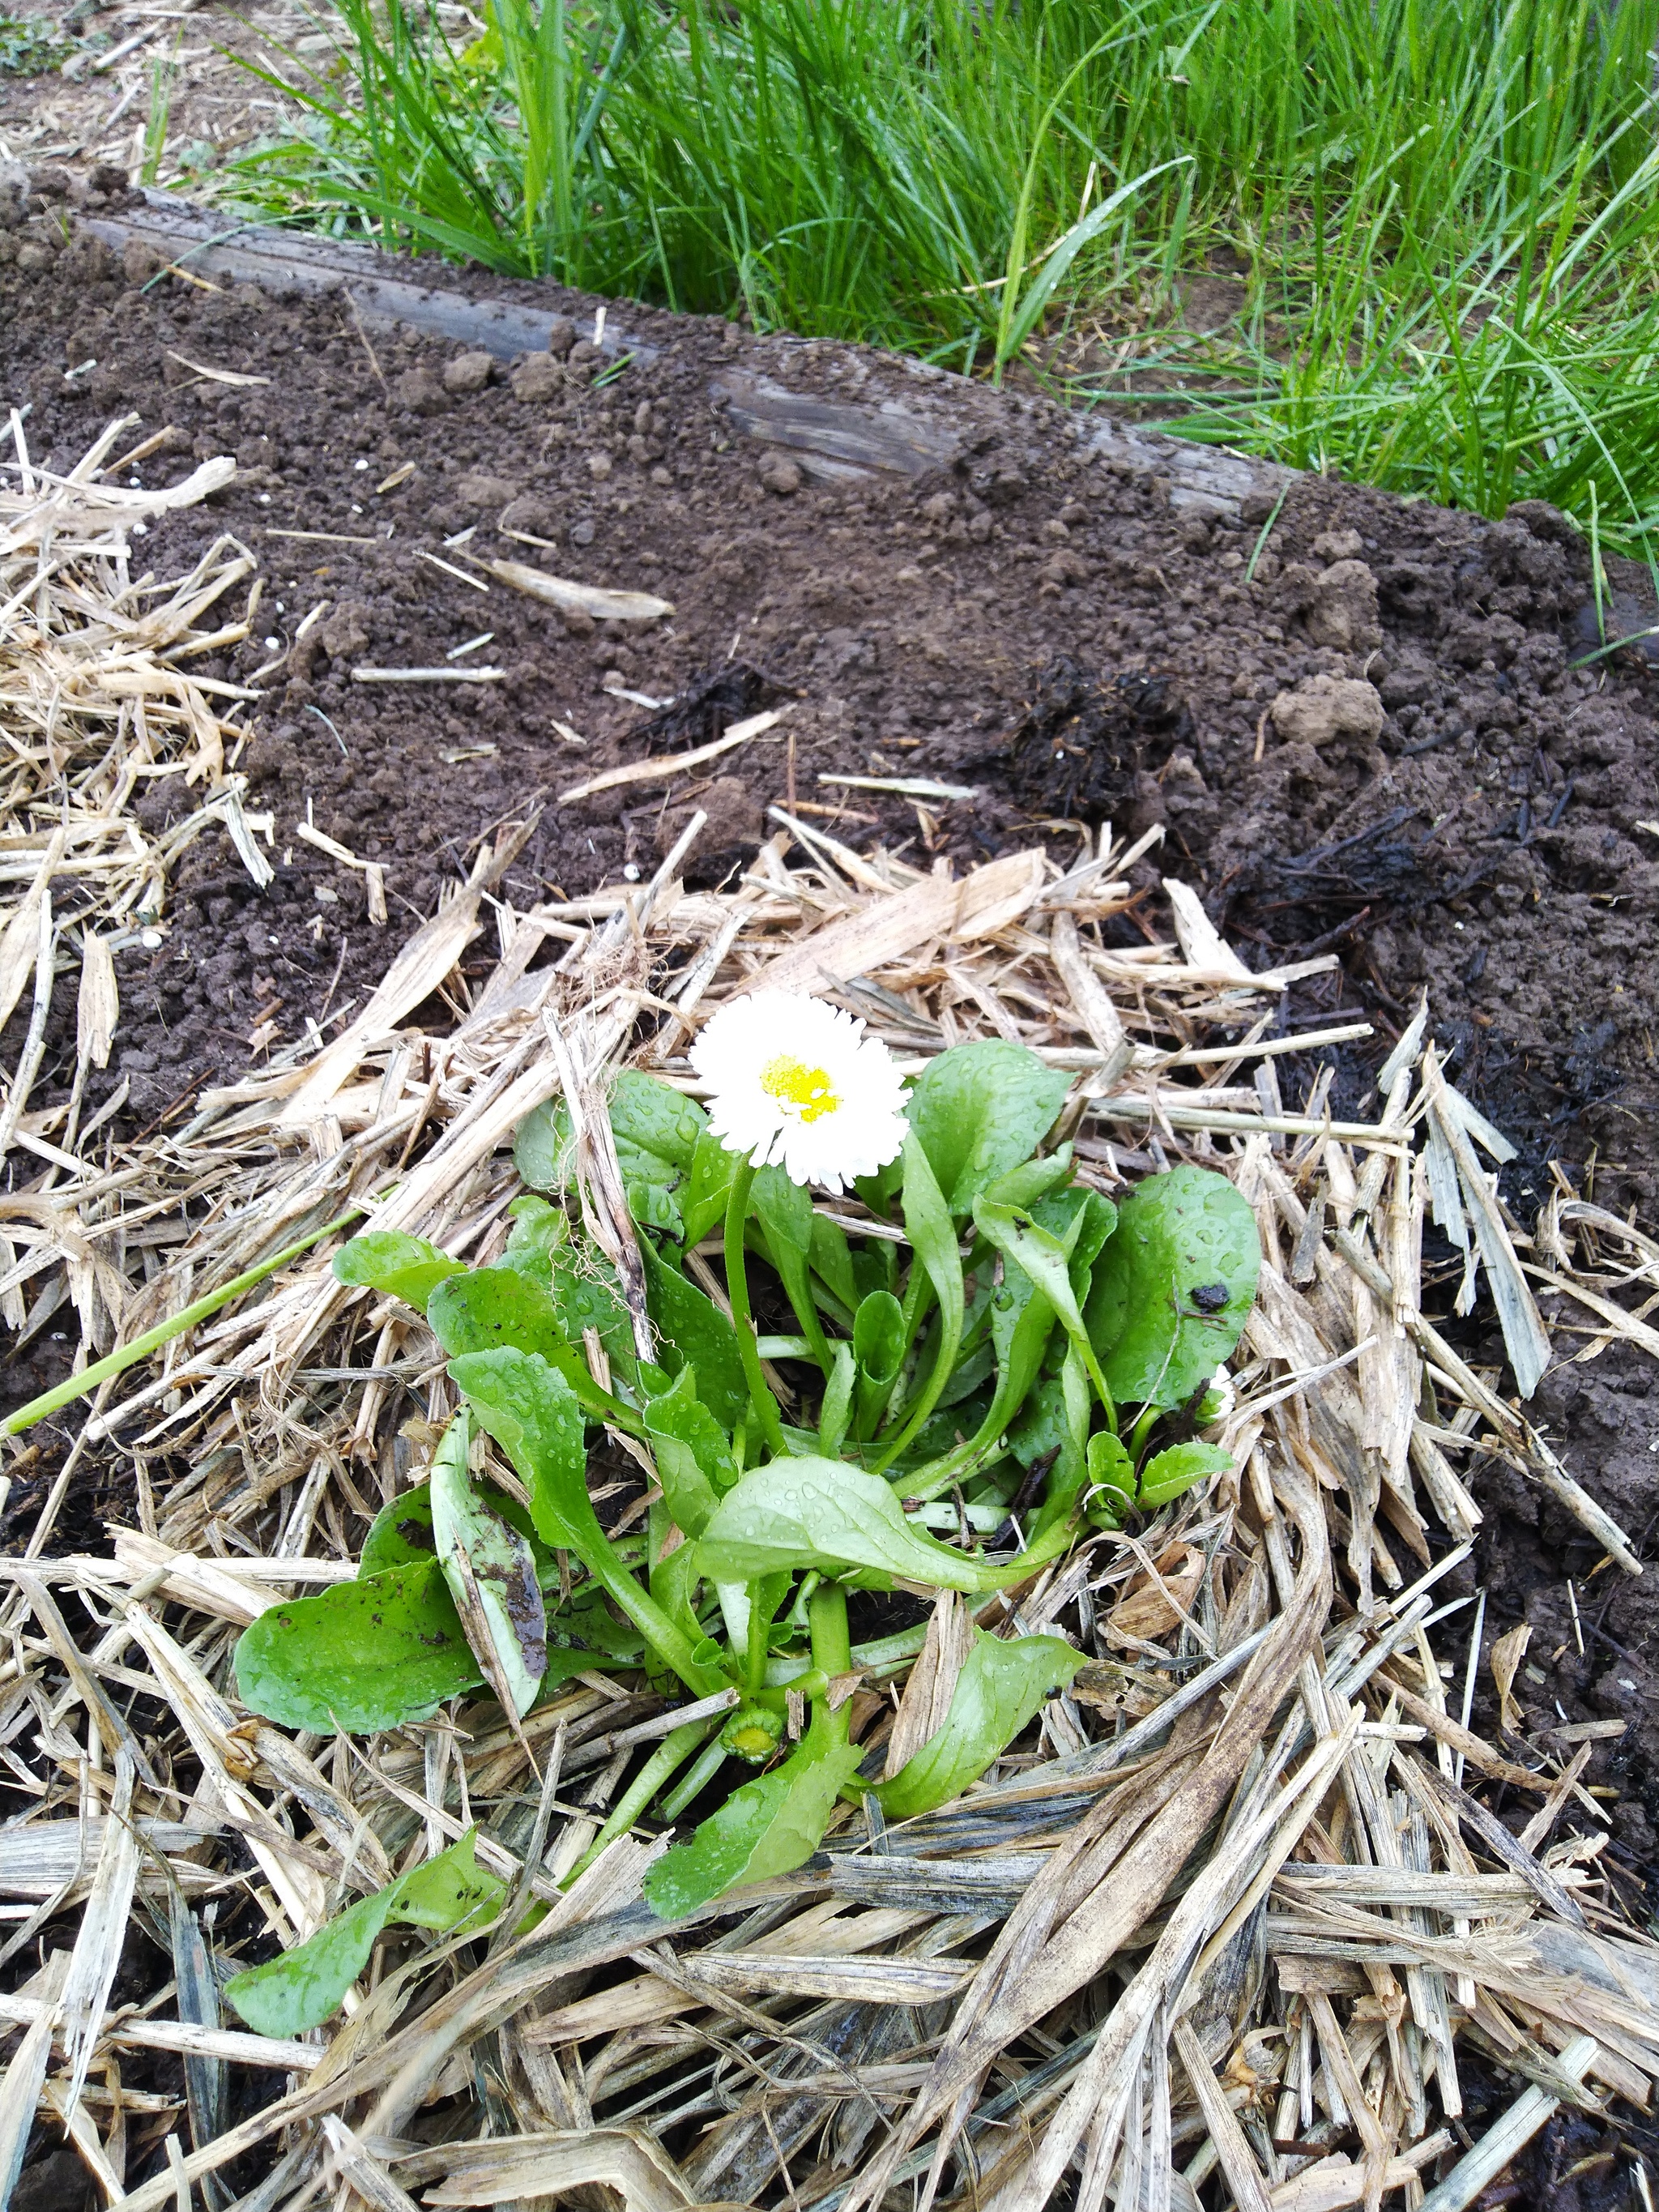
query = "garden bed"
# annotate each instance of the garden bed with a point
(1352, 720)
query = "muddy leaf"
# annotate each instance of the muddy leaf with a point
(302, 1988)
(400, 1534)
(491, 1575)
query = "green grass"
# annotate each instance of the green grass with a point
(1445, 209)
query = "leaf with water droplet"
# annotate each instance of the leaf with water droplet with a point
(767, 1827)
(300, 1990)
(999, 1690)
(1184, 1230)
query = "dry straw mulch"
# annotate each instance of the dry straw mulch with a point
(1223, 1929)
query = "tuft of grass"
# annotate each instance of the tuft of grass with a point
(1442, 212)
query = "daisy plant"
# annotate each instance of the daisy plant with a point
(945, 1369)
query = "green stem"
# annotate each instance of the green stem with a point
(743, 1319)
(128, 1355)
(697, 1775)
(668, 1755)
(759, 1629)
(598, 1405)
(943, 1368)
(832, 1655)
(670, 1643)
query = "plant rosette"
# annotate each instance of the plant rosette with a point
(1008, 1334)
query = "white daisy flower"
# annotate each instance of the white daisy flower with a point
(797, 1084)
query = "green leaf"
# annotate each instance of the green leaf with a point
(703, 1204)
(538, 1232)
(1018, 323)
(674, 1582)
(878, 1338)
(1048, 1261)
(1173, 1288)
(813, 1512)
(1022, 1321)
(999, 1690)
(488, 1307)
(491, 1575)
(832, 1262)
(656, 1131)
(878, 1191)
(406, 1267)
(1088, 1238)
(836, 1408)
(767, 1827)
(980, 1110)
(972, 1374)
(784, 1210)
(1111, 1477)
(302, 1988)
(1033, 1179)
(361, 1655)
(695, 1332)
(656, 1127)
(533, 1414)
(586, 1295)
(1041, 1427)
(878, 1354)
(694, 1460)
(653, 1206)
(933, 1235)
(1178, 1467)
(545, 1147)
(583, 1625)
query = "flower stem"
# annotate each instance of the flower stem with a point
(743, 1319)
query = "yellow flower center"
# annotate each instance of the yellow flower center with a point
(752, 1742)
(795, 1086)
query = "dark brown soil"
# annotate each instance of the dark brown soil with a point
(1453, 804)
(1379, 744)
